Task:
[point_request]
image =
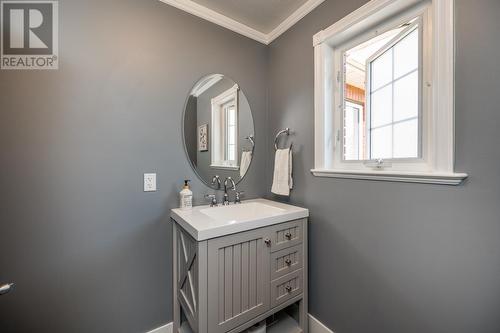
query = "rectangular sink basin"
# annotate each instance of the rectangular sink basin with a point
(205, 222)
(242, 212)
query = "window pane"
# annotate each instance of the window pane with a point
(381, 89)
(231, 135)
(406, 55)
(381, 142)
(381, 70)
(406, 139)
(231, 153)
(406, 97)
(381, 107)
(351, 132)
(232, 116)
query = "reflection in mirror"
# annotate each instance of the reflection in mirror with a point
(218, 129)
(381, 95)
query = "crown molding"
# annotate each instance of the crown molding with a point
(290, 21)
(219, 19)
(206, 83)
(238, 27)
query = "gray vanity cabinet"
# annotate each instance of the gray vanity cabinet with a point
(238, 279)
(226, 284)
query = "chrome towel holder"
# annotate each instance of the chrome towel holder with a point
(283, 131)
(251, 138)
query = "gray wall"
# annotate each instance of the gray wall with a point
(393, 257)
(89, 251)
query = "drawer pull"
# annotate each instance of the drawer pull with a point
(288, 236)
(288, 262)
(288, 289)
(267, 241)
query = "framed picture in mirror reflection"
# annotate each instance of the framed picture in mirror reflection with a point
(203, 137)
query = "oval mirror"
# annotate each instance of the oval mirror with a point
(218, 130)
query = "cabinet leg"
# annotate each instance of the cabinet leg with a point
(303, 316)
(177, 320)
(176, 304)
(303, 305)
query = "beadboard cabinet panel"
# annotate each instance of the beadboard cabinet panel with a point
(238, 279)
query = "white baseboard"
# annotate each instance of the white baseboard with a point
(167, 328)
(315, 326)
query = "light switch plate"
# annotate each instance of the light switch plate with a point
(149, 182)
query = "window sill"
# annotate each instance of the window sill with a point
(395, 176)
(225, 167)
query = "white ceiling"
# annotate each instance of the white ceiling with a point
(261, 15)
(262, 20)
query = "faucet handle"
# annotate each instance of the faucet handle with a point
(212, 198)
(237, 198)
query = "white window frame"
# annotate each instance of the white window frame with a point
(436, 164)
(218, 140)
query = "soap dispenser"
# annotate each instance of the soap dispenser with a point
(186, 196)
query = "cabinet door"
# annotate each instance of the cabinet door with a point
(238, 279)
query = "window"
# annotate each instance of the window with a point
(230, 129)
(225, 130)
(384, 94)
(385, 71)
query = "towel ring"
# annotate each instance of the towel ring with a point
(251, 138)
(284, 131)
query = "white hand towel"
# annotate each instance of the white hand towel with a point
(246, 158)
(282, 179)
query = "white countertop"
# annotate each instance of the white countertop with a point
(205, 222)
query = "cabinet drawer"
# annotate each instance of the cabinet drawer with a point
(286, 287)
(286, 234)
(286, 261)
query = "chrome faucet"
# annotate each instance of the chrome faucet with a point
(225, 202)
(216, 182)
(212, 198)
